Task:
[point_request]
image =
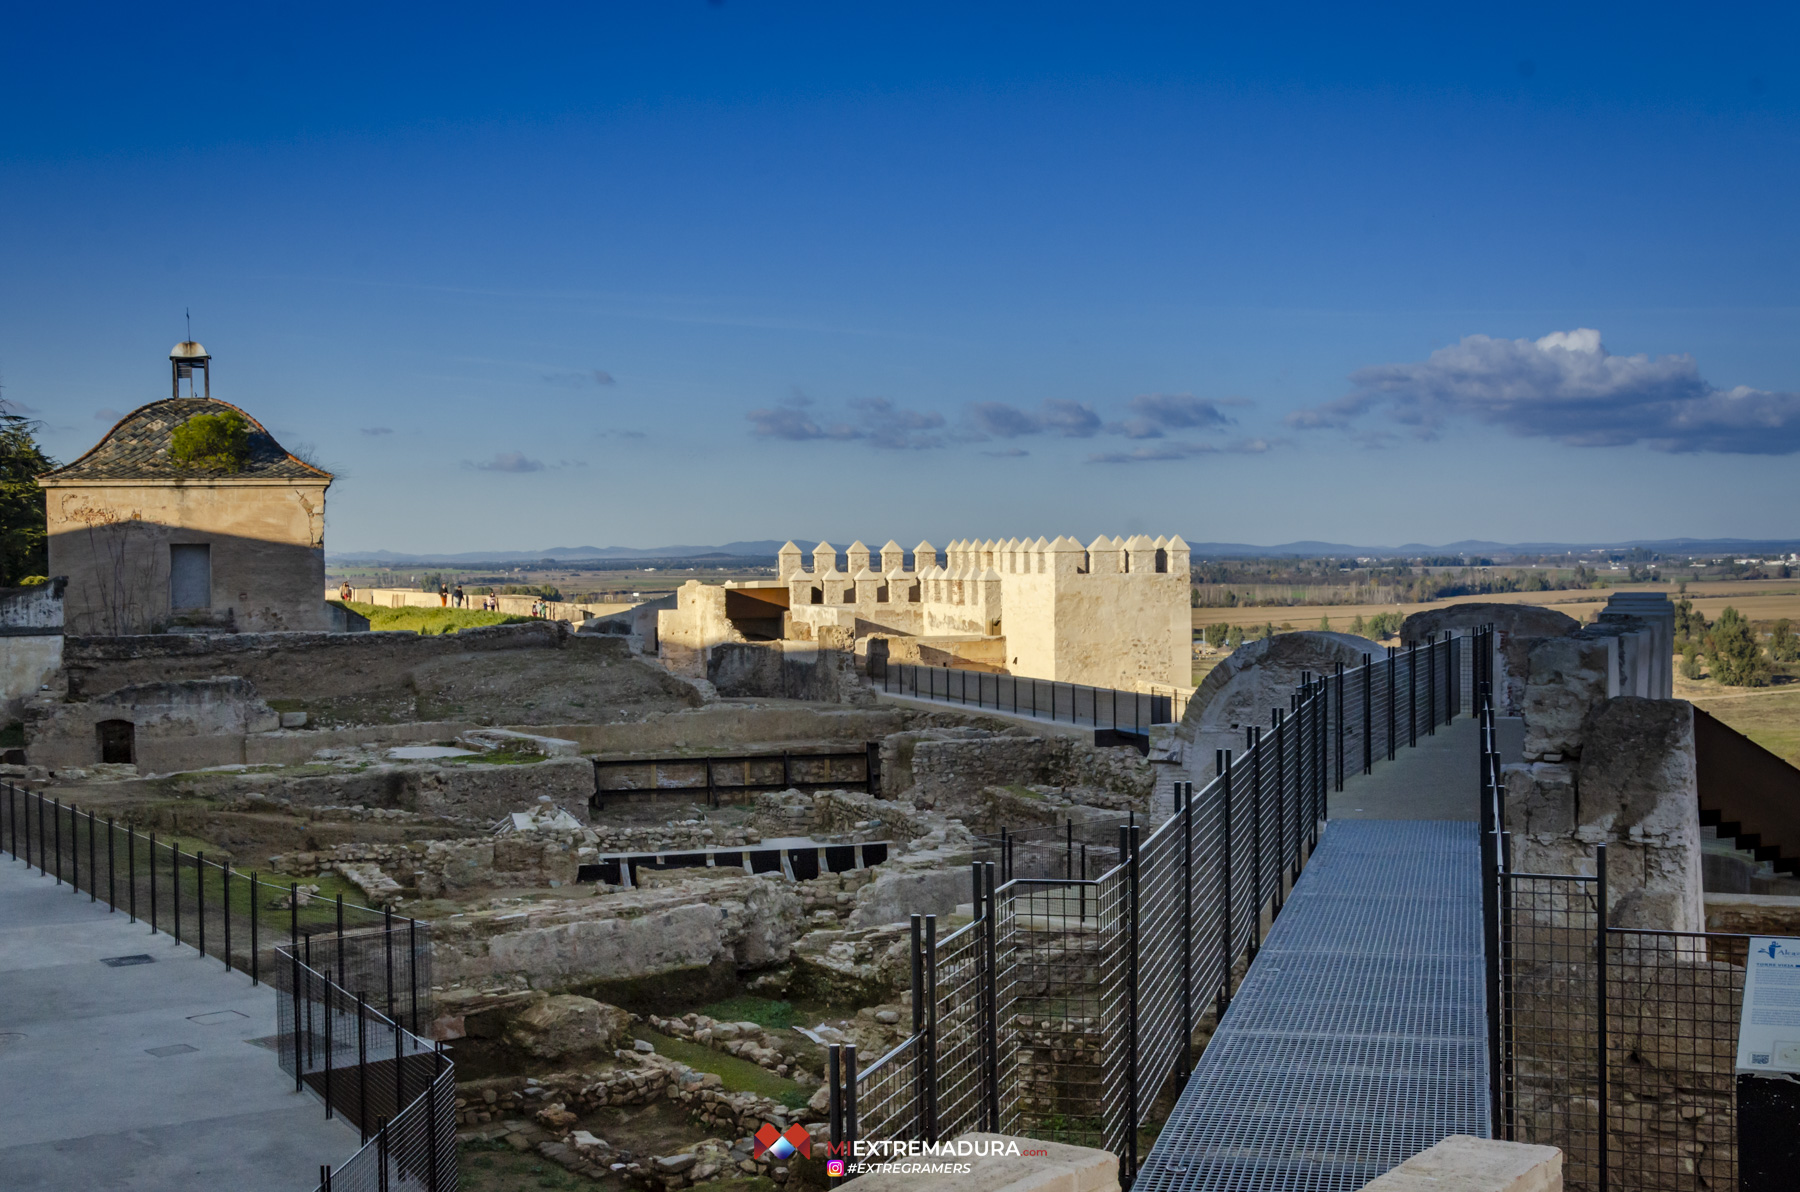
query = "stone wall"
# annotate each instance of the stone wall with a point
(469, 791)
(574, 944)
(266, 539)
(1514, 627)
(177, 725)
(787, 670)
(950, 769)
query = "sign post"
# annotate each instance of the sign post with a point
(1768, 1067)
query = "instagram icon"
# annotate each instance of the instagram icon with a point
(834, 1168)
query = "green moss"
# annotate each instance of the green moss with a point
(764, 1012)
(738, 1076)
(13, 735)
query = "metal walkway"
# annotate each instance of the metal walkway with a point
(1358, 1037)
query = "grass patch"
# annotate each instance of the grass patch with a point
(431, 620)
(764, 1012)
(1770, 716)
(739, 1076)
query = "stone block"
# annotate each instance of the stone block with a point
(1464, 1163)
(1567, 678)
(566, 1026)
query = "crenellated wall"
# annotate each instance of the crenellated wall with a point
(1113, 613)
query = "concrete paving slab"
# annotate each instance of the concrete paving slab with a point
(140, 1076)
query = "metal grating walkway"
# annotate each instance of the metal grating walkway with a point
(1358, 1037)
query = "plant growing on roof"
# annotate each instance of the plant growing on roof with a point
(212, 442)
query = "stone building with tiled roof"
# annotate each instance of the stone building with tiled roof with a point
(150, 543)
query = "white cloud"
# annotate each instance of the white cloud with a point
(1568, 387)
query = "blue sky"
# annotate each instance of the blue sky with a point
(689, 272)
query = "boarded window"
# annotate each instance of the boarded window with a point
(118, 741)
(190, 576)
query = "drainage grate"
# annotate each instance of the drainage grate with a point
(170, 1049)
(1358, 1037)
(215, 1017)
(124, 961)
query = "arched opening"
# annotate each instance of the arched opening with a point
(1162, 560)
(818, 595)
(118, 741)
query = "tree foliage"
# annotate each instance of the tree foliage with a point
(23, 532)
(1690, 659)
(1784, 644)
(1689, 624)
(1736, 655)
(1216, 635)
(212, 442)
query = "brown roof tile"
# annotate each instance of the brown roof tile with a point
(138, 448)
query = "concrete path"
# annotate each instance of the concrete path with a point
(141, 1076)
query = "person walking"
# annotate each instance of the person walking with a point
(459, 596)
(443, 595)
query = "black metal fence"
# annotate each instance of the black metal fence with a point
(1069, 1002)
(1101, 707)
(273, 932)
(398, 1089)
(1617, 1045)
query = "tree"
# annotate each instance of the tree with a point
(23, 527)
(1688, 622)
(1357, 627)
(1325, 624)
(212, 442)
(1690, 660)
(1784, 645)
(1235, 637)
(1736, 656)
(1217, 633)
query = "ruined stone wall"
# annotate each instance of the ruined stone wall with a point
(291, 665)
(950, 769)
(177, 725)
(574, 944)
(1604, 768)
(464, 791)
(788, 670)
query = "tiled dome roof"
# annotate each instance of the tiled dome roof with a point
(138, 448)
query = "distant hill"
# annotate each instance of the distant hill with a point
(765, 548)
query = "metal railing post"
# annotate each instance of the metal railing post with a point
(1224, 999)
(931, 1028)
(991, 1023)
(362, 1069)
(93, 873)
(200, 895)
(152, 864)
(1431, 685)
(1339, 785)
(1129, 838)
(1412, 694)
(1393, 696)
(1600, 1005)
(1187, 930)
(834, 1098)
(225, 907)
(255, 946)
(56, 816)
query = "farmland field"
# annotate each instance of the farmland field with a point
(1759, 600)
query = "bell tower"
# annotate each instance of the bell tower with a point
(184, 358)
